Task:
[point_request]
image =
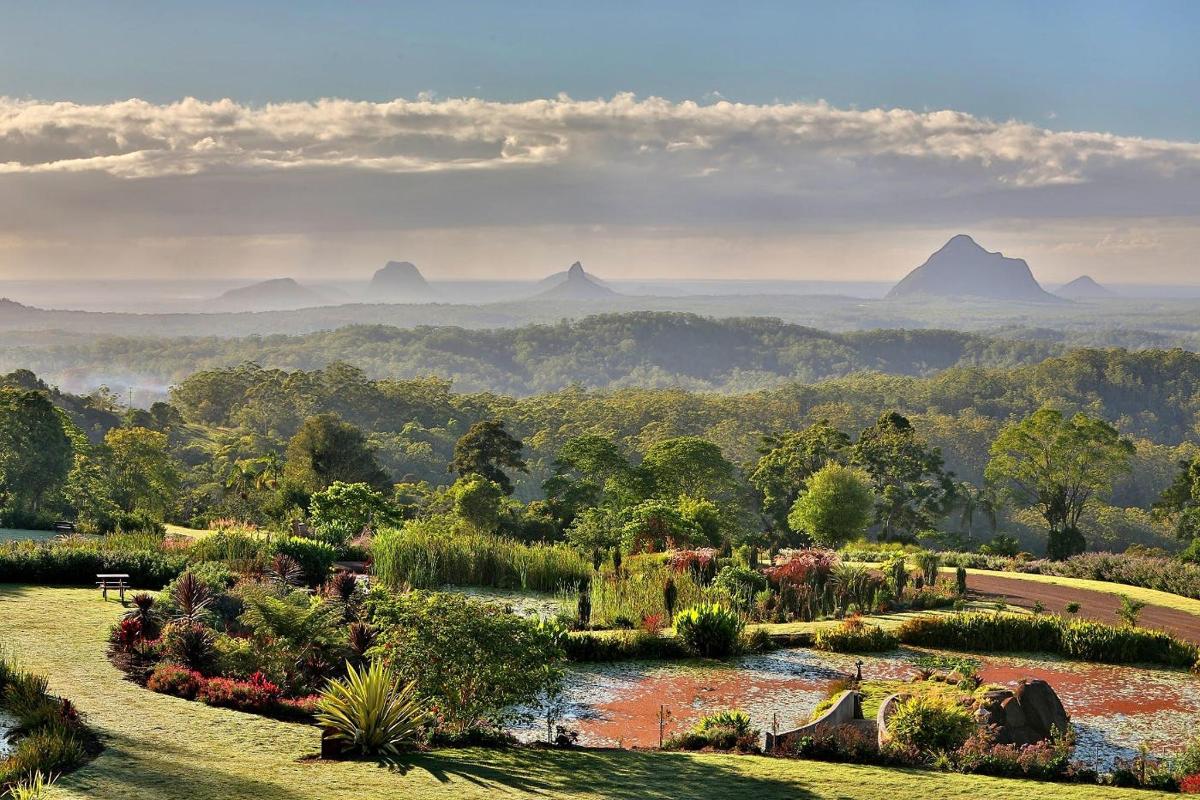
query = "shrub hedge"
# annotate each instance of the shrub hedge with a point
(1076, 639)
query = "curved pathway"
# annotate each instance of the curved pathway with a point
(1096, 605)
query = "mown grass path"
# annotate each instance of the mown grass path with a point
(163, 748)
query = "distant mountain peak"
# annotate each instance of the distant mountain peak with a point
(1084, 288)
(963, 268)
(575, 284)
(399, 282)
(270, 295)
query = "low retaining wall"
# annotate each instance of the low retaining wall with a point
(845, 709)
(886, 708)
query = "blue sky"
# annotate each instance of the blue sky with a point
(651, 139)
(1124, 67)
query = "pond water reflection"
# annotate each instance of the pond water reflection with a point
(1113, 708)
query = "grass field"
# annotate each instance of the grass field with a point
(163, 748)
(1150, 596)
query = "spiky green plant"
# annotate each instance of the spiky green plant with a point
(368, 712)
(35, 787)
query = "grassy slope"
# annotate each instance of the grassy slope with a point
(162, 748)
(1149, 596)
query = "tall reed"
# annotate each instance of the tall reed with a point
(425, 556)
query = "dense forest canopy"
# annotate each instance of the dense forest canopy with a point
(221, 426)
(647, 349)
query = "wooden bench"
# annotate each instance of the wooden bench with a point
(106, 581)
(63, 526)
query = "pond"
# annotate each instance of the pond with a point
(1113, 708)
(8, 723)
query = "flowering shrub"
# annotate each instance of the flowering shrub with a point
(803, 567)
(257, 694)
(836, 743)
(702, 563)
(653, 623)
(175, 680)
(298, 708)
(1044, 760)
(1190, 784)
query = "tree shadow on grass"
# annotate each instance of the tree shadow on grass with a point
(611, 774)
(129, 769)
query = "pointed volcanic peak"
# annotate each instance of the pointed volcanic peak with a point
(400, 282)
(1085, 288)
(964, 269)
(575, 284)
(277, 294)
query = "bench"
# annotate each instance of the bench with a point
(63, 526)
(106, 581)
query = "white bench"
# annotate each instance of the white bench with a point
(116, 580)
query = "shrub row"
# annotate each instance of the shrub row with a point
(53, 564)
(256, 695)
(854, 636)
(1077, 639)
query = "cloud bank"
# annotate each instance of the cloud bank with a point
(135, 139)
(333, 168)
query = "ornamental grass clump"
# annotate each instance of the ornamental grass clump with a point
(369, 712)
(931, 723)
(854, 636)
(710, 631)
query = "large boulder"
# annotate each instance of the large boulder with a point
(1024, 715)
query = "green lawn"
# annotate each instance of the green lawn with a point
(162, 748)
(1149, 596)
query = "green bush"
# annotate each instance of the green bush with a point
(931, 723)
(723, 730)
(740, 583)
(587, 646)
(77, 562)
(475, 662)
(314, 557)
(854, 636)
(711, 631)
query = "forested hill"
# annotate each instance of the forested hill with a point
(646, 349)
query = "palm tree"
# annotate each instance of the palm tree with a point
(241, 478)
(974, 502)
(269, 468)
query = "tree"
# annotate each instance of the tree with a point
(595, 531)
(787, 462)
(654, 526)
(35, 451)
(1057, 465)
(1180, 502)
(353, 506)
(591, 471)
(975, 502)
(836, 507)
(485, 449)
(477, 501)
(144, 476)
(325, 450)
(691, 466)
(912, 489)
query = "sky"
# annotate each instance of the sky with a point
(703, 140)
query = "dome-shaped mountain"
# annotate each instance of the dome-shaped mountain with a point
(1084, 288)
(277, 294)
(399, 282)
(964, 269)
(577, 285)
